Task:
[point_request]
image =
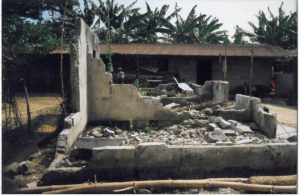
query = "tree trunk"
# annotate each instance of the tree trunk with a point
(27, 107)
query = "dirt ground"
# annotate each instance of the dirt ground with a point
(42, 109)
(20, 144)
(285, 114)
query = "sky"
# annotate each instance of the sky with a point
(229, 12)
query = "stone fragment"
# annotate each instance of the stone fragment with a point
(244, 141)
(200, 123)
(229, 132)
(292, 138)
(34, 156)
(215, 136)
(107, 132)
(233, 123)
(254, 126)
(24, 167)
(96, 134)
(11, 169)
(243, 129)
(211, 127)
(212, 119)
(143, 191)
(193, 191)
(118, 131)
(208, 111)
(223, 123)
(176, 131)
(98, 129)
(32, 184)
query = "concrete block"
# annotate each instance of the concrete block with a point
(90, 143)
(215, 136)
(223, 123)
(154, 155)
(243, 115)
(113, 157)
(220, 91)
(242, 128)
(211, 127)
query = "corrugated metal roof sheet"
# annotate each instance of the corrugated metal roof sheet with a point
(190, 50)
(195, 50)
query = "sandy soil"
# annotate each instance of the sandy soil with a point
(42, 108)
(285, 114)
(36, 104)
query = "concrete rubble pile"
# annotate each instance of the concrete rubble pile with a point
(206, 126)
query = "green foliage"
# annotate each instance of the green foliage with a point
(278, 30)
(138, 85)
(28, 37)
(127, 24)
(130, 124)
(196, 29)
(238, 36)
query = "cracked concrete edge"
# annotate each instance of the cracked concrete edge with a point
(157, 160)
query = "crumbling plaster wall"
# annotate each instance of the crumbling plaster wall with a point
(108, 101)
(238, 71)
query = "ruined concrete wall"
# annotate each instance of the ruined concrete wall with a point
(108, 101)
(239, 71)
(83, 43)
(187, 68)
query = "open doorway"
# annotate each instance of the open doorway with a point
(204, 71)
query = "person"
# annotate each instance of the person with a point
(120, 75)
(273, 84)
(246, 88)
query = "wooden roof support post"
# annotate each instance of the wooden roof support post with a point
(137, 65)
(220, 61)
(225, 64)
(251, 73)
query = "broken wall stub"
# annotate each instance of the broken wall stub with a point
(249, 109)
(215, 90)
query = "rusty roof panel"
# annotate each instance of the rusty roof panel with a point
(195, 50)
(190, 50)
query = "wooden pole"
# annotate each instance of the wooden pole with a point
(256, 180)
(27, 107)
(251, 73)
(175, 184)
(137, 65)
(274, 180)
(225, 64)
(63, 103)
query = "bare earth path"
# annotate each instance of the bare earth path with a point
(285, 114)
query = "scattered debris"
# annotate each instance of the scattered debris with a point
(216, 136)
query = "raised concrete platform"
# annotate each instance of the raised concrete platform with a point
(157, 161)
